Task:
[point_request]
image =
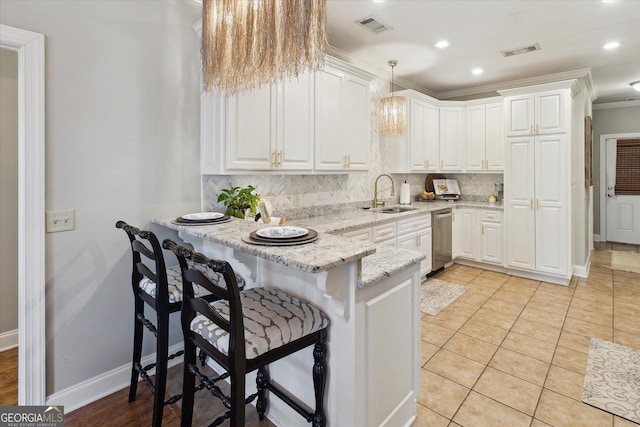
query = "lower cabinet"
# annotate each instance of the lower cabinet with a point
(415, 234)
(412, 233)
(477, 235)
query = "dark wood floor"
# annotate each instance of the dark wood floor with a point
(115, 410)
(9, 377)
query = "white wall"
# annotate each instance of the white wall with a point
(609, 121)
(8, 191)
(122, 142)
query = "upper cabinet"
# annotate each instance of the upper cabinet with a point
(484, 150)
(342, 118)
(536, 114)
(452, 138)
(314, 123)
(418, 149)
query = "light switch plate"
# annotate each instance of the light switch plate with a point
(61, 220)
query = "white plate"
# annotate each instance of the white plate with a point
(281, 232)
(200, 216)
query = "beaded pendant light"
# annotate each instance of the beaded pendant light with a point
(392, 120)
(249, 43)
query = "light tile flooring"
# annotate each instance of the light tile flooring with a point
(513, 351)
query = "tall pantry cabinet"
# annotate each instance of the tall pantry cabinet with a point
(537, 179)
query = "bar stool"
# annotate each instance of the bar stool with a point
(161, 289)
(233, 331)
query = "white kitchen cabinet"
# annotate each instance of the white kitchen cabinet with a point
(314, 123)
(452, 138)
(491, 241)
(468, 237)
(537, 204)
(477, 235)
(494, 143)
(476, 137)
(342, 121)
(415, 234)
(417, 150)
(537, 180)
(485, 137)
(266, 129)
(540, 113)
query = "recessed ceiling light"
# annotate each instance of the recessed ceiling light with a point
(477, 71)
(635, 85)
(441, 44)
(611, 45)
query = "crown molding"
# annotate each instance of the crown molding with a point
(584, 73)
(382, 72)
(619, 104)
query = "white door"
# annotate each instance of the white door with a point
(623, 212)
(329, 93)
(452, 136)
(294, 131)
(495, 137)
(476, 138)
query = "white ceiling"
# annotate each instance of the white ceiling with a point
(570, 33)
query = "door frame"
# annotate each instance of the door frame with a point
(31, 206)
(603, 177)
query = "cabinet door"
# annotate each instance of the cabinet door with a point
(549, 112)
(356, 142)
(452, 137)
(552, 227)
(432, 141)
(418, 135)
(419, 241)
(518, 202)
(494, 147)
(476, 138)
(251, 130)
(329, 149)
(468, 239)
(520, 115)
(295, 124)
(456, 234)
(491, 238)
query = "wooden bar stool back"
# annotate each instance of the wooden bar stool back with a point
(160, 288)
(233, 331)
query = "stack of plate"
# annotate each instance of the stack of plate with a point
(202, 218)
(281, 236)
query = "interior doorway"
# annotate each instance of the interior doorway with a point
(31, 261)
(620, 188)
(8, 227)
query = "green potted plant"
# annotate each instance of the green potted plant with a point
(238, 199)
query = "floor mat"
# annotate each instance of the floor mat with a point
(438, 294)
(626, 261)
(612, 380)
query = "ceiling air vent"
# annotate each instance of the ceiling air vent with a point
(520, 50)
(374, 25)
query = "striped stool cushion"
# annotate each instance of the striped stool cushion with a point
(271, 319)
(174, 279)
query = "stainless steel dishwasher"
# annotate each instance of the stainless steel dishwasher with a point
(442, 238)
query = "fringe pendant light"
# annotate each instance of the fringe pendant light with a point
(393, 114)
(249, 43)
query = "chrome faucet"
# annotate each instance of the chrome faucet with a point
(377, 203)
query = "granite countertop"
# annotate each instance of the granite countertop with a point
(323, 254)
(329, 251)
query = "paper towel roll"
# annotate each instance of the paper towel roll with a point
(405, 194)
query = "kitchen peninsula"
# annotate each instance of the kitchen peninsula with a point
(372, 296)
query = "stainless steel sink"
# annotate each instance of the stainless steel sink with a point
(395, 210)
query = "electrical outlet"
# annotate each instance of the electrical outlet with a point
(61, 220)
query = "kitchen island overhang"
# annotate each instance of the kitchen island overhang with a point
(372, 297)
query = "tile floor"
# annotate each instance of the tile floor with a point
(513, 351)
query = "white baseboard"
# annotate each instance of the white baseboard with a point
(8, 340)
(582, 270)
(104, 384)
(596, 238)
